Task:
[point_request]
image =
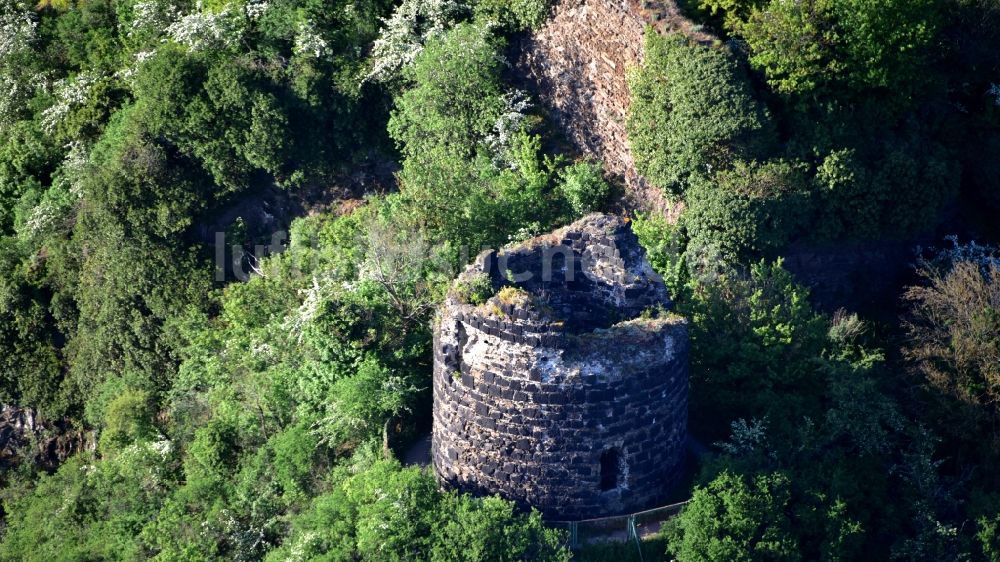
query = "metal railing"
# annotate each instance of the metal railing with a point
(621, 528)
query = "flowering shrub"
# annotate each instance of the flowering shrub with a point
(17, 28)
(151, 18)
(511, 121)
(308, 41)
(17, 32)
(255, 9)
(13, 94)
(128, 73)
(404, 33)
(945, 259)
(69, 92)
(995, 92)
(202, 30)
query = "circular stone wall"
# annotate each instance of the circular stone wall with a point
(567, 390)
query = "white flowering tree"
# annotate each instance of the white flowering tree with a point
(69, 93)
(17, 29)
(55, 210)
(203, 29)
(512, 121)
(404, 33)
(17, 33)
(308, 41)
(149, 20)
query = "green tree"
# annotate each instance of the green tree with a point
(91, 509)
(692, 111)
(735, 518)
(754, 340)
(377, 510)
(30, 368)
(128, 418)
(491, 529)
(821, 46)
(583, 186)
(751, 209)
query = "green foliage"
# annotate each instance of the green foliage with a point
(692, 112)
(820, 420)
(491, 529)
(456, 99)
(475, 290)
(384, 512)
(359, 406)
(441, 124)
(853, 75)
(749, 210)
(226, 415)
(128, 418)
(30, 369)
(899, 189)
(755, 341)
(90, 510)
(473, 175)
(988, 535)
(584, 188)
(295, 450)
(819, 46)
(732, 12)
(735, 518)
(664, 249)
(26, 159)
(517, 15)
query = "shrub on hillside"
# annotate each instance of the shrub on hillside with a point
(692, 112)
(751, 209)
(953, 334)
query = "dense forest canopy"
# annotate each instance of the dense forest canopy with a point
(262, 418)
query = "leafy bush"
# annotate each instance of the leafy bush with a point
(475, 290)
(404, 34)
(754, 342)
(749, 210)
(491, 528)
(732, 12)
(664, 247)
(379, 511)
(128, 418)
(467, 177)
(362, 405)
(735, 518)
(516, 15)
(806, 47)
(583, 186)
(692, 111)
(952, 343)
(30, 369)
(898, 188)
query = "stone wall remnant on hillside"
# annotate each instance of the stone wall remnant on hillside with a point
(577, 63)
(564, 390)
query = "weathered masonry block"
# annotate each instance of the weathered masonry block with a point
(567, 388)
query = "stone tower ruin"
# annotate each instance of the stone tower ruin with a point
(560, 379)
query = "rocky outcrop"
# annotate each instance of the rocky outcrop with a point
(567, 389)
(24, 437)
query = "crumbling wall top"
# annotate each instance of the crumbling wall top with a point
(589, 275)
